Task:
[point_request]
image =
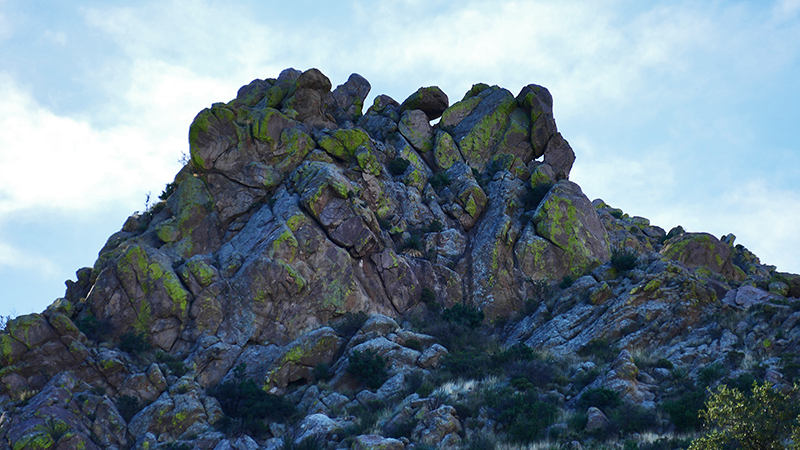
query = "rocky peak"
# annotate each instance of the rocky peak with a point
(297, 210)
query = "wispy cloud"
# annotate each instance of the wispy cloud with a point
(63, 163)
(12, 257)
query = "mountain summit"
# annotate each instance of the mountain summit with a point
(316, 276)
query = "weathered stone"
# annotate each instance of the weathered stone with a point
(559, 156)
(430, 357)
(469, 196)
(430, 100)
(414, 126)
(479, 133)
(299, 358)
(539, 102)
(701, 249)
(349, 98)
(375, 442)
(596, 420)
(445, 150)
(439, 427)
(567, 219)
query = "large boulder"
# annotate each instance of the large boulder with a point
(702, 250)
(567, 219)
(430, 100)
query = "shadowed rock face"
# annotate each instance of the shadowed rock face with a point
(297, 207)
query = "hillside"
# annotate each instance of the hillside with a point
(419, 275)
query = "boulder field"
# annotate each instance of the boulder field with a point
(327, 258)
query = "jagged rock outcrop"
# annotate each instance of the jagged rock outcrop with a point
(297, 208)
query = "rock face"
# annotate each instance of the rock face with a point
(297, 210)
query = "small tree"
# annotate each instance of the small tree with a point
(762, 420)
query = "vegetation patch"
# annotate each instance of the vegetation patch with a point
(397, 166)
(247, 406)
(134, 343)
(368, 367)
(623, 260)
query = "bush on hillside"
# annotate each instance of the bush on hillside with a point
(368, 367)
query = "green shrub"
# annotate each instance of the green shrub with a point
(684, 411)
(128, 406)
(623, 260)
(515, 353)
(439, 180)
(663, 363)
(94, 329)
(350, 323)
(764, 419)
(428, 296)
(168, 190)
(790, 367)
(535, 373)
(566, 282)
(601, 349)
(134, 343)
(480, 442)
(469, 364)
(175, 365)
(602, 398)
(246, 405)
(323, 372)
(413, 242)
(466, 315)
(710, 373)
(434, 227)
(397, 166)
(368, 367)
(743, 382)
(633, 419)
(524, 415)
(584, 378)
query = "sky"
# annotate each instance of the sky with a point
(683, 112)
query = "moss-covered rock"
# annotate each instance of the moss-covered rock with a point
(298, 359)
(701, 249)
(445, 150)
(567, 219)
(414, 126)
(212, 132)
(479, 133)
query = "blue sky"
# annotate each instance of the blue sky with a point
(682, 112)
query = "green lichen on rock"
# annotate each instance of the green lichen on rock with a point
(367, 160)
(484, 136)
(702, 249)
(268, 124)
(152, 275)
(301, 355)
(343, 142)
(567, 219)
(453, 115)
(205, 132)
(445, 150)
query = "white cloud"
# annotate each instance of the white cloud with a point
(14, 258)
(64, 163)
